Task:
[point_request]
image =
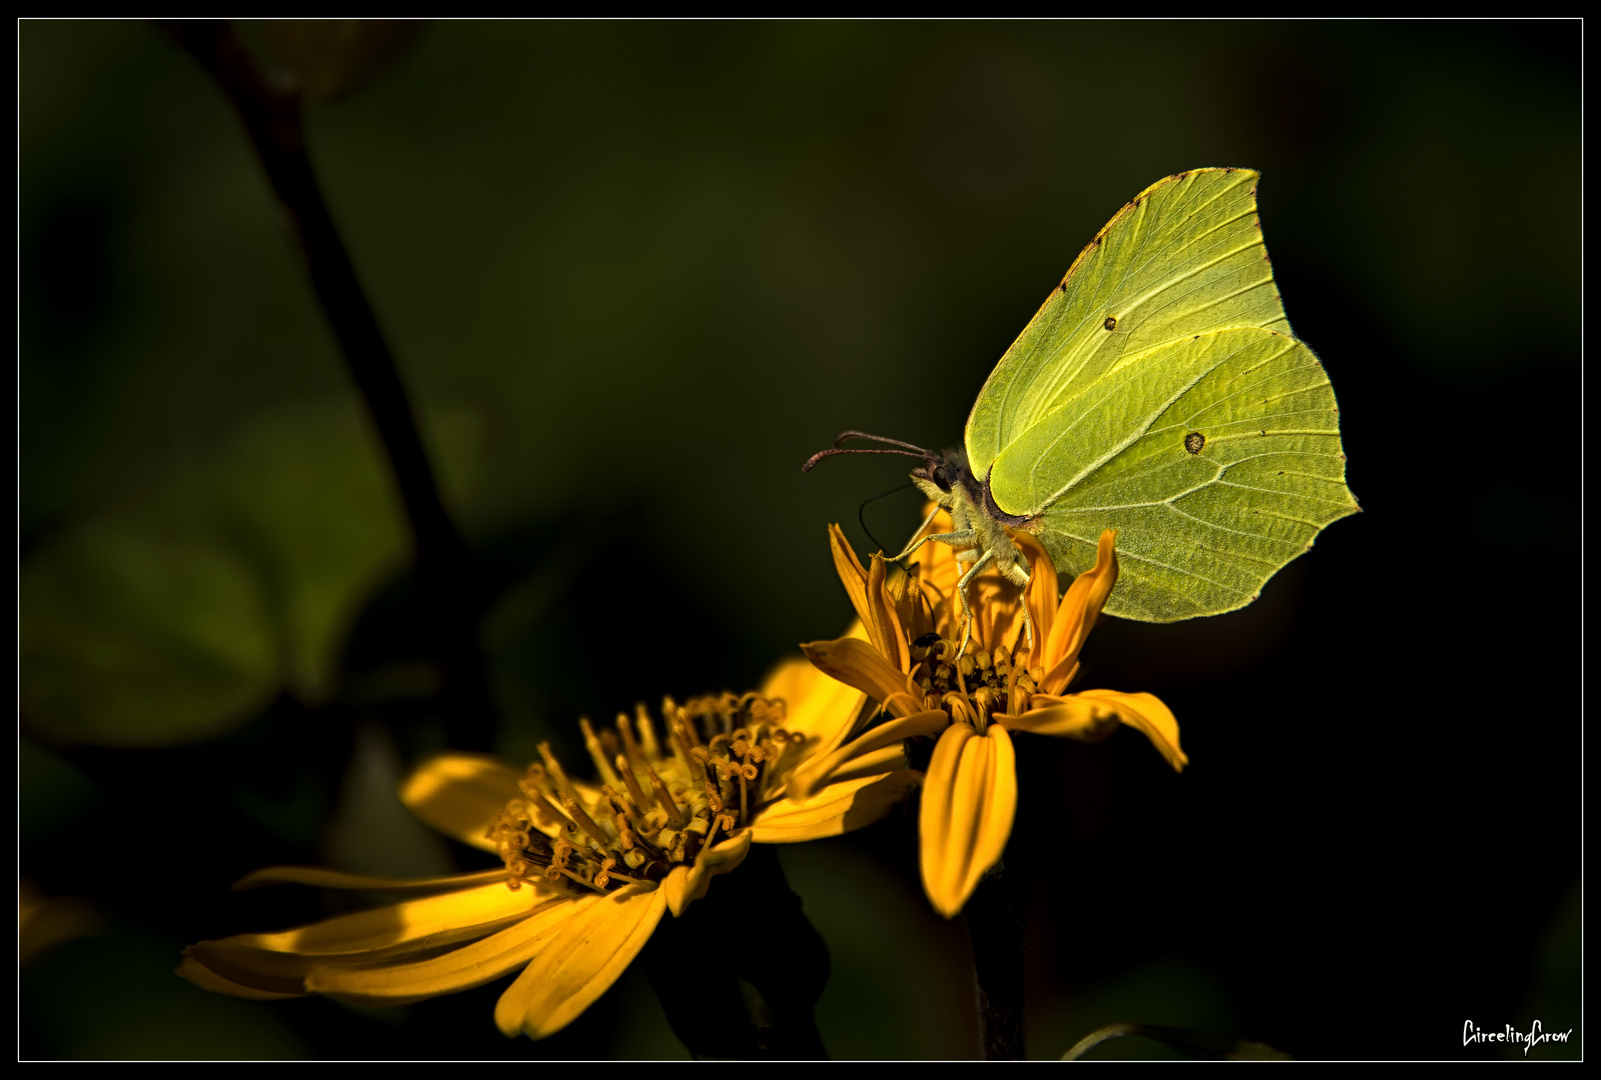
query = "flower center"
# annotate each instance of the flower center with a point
(976, 684)
(658, 804)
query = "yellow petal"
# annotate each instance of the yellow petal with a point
(858, 664)
(884, 628)
(198, 973)
(969, 801)
(323, 878)
(1041, 595)
(818, 707)
(461, 794)
(1147, 714)
(688, 883)
(1092, 715)
(592, 951)
(838, 808)
(850, 572)
(809, 778)
(873, 763)
(1080, 607)
(408, 921)
(462, 968)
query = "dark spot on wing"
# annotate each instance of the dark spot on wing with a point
(1111, 322)
(1194, 441)
(1062, 287)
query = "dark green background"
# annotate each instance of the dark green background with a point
(635, 274)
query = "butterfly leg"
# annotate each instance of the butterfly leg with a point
(961, 591)
(918, 539)
(1028, 617)
(964, 539)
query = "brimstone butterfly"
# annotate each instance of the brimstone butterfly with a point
(1157, 391)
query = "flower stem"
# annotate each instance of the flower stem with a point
(271, 113)
(995, 926)
(750, 997)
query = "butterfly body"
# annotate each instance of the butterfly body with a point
(1160, 392)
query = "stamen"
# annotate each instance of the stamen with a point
(713, 799)
(597, 753)
(682, 744)
(587, 884)
(678, 718)
(664, 799)
(585, 822)
(553, 817)
(635, 792)
(564, 787)
(631, 750)
(647, 733)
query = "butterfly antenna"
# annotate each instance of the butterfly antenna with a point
(877, 438)
(910, 451)
(821, 454)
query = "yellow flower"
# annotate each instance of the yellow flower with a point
(909, 664)
(588, 869)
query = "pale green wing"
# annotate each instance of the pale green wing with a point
(1217, 459)
(1184, 258)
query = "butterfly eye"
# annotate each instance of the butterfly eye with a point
(941, 479)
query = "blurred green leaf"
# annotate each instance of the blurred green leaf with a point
(178, 612)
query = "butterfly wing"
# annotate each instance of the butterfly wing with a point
(1184, 258)
(1217, 458)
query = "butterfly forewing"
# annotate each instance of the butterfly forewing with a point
(1184, 258)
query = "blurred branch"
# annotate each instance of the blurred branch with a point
(1199, 1044)
(271, 111)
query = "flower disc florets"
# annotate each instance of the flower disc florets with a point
(975, 685)
(658, 803)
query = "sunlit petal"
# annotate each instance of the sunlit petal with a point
(858, 664)
(1092, 715)
(809, 779)
(688, 883)
(412, 919)
(850, 571)
(459, 969)
(839, 808)
(580, 965)
(819, 707)
(460, 794)
(337, 879)
(969, 801)
(192, 969)
(1079, 609)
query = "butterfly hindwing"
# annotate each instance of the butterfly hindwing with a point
(1218, 460)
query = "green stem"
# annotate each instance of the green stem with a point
(271, 113)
